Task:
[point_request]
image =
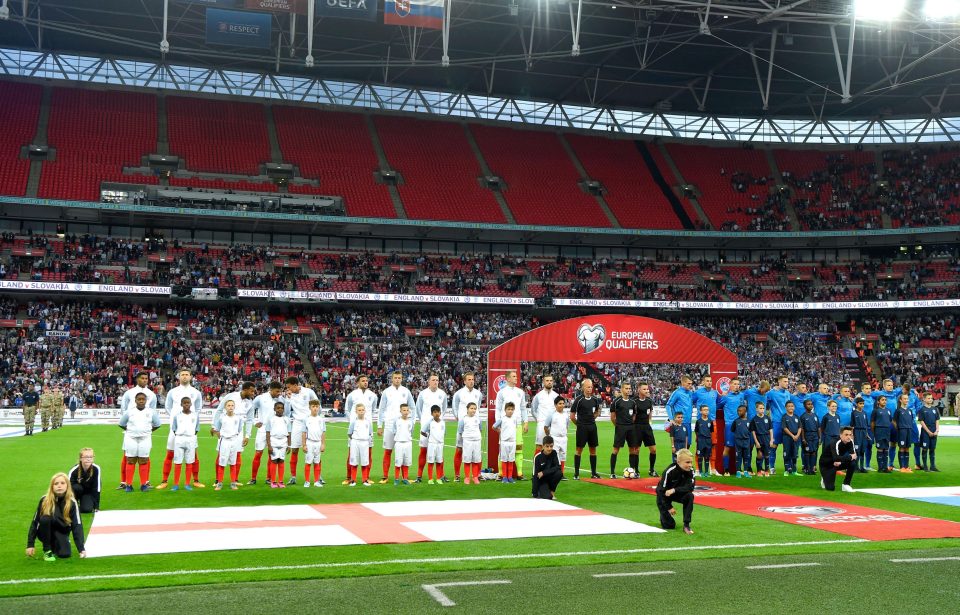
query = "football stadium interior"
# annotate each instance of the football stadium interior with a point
(722, 236)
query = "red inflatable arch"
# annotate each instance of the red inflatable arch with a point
(605, 338)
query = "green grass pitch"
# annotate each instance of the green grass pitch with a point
(724, 544)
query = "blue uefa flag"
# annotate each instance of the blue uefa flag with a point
(239, 28)
(348, 9)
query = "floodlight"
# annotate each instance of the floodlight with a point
(941, 10)
(878, 10)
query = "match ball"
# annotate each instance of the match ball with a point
(629, 473)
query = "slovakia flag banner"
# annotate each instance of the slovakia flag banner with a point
(414, 13)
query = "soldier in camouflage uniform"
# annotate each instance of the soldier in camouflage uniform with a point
(59, 408)
(46, 409)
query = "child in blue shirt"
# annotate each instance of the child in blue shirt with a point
(929, 430)
(679, 434)
(742, 439)
(704, 430)
(761, 427)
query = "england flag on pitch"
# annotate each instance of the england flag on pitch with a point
(414, 13)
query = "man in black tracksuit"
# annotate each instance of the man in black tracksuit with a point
(676, 485)
(838, 455)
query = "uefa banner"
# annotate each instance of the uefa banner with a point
(239, 28)
(348, 9)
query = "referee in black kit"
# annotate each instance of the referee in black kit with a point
(623, 415)
(584, 412)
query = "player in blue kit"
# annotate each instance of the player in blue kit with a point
(679, 434)
(881, 423)
(830, 424)
(914, 404)
(704, 431)
(861, 433)
(810, 427)
(681, 400)
(756, 394)
(821, 397)
(791, 440)
(742, 438)
(891, 394)
(760, 427)
(929, 430)
(777, 399)
(866, 393)
(729, 403)
(903, 423)
(845, 406)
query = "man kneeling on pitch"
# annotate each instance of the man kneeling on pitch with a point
(676, 485)
(838, 456)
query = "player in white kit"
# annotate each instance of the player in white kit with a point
(243, 402)
(172, 405)
(390, 400)
(360, 395)
(142, 379)
(557, 428)
(467, 394)
(434, 431)
(541, 407)
(507, 426)
(469, 433)
(185, 427)
(361, 434)
(427, 399)
(260, 412)
(314, 442)
(277, 440)
(511, 392)
(299, 398)
(138, 423)
(403, 446)
(229, 427)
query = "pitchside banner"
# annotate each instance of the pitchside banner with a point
(239, 28)
(348, 9)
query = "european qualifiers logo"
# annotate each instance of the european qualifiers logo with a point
(828, 515)
(591, 337)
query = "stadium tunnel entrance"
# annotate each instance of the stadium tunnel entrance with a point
(607, 338)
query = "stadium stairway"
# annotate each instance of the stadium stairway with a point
(778, 180)
(36, 166)
(602, 382)
(659, 177)
(614, 223)
(163, 146)
(385, 166)
(275, 155)
(486, 171)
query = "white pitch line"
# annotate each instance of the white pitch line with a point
(924, 559)
(421, 560)
(771, 566)
(444, 600)
(648, 573)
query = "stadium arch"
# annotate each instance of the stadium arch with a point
(605, 338)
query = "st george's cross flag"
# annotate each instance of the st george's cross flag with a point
(414, 13)
(184, 530)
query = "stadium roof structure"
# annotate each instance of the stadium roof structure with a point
(810, 59)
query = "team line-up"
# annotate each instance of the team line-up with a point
(288, 420)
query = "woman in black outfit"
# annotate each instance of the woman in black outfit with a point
(57, 516)
(85, 482)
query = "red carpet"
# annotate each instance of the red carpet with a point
(837, 517)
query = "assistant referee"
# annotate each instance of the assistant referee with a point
(584, 412)
(644, 429)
